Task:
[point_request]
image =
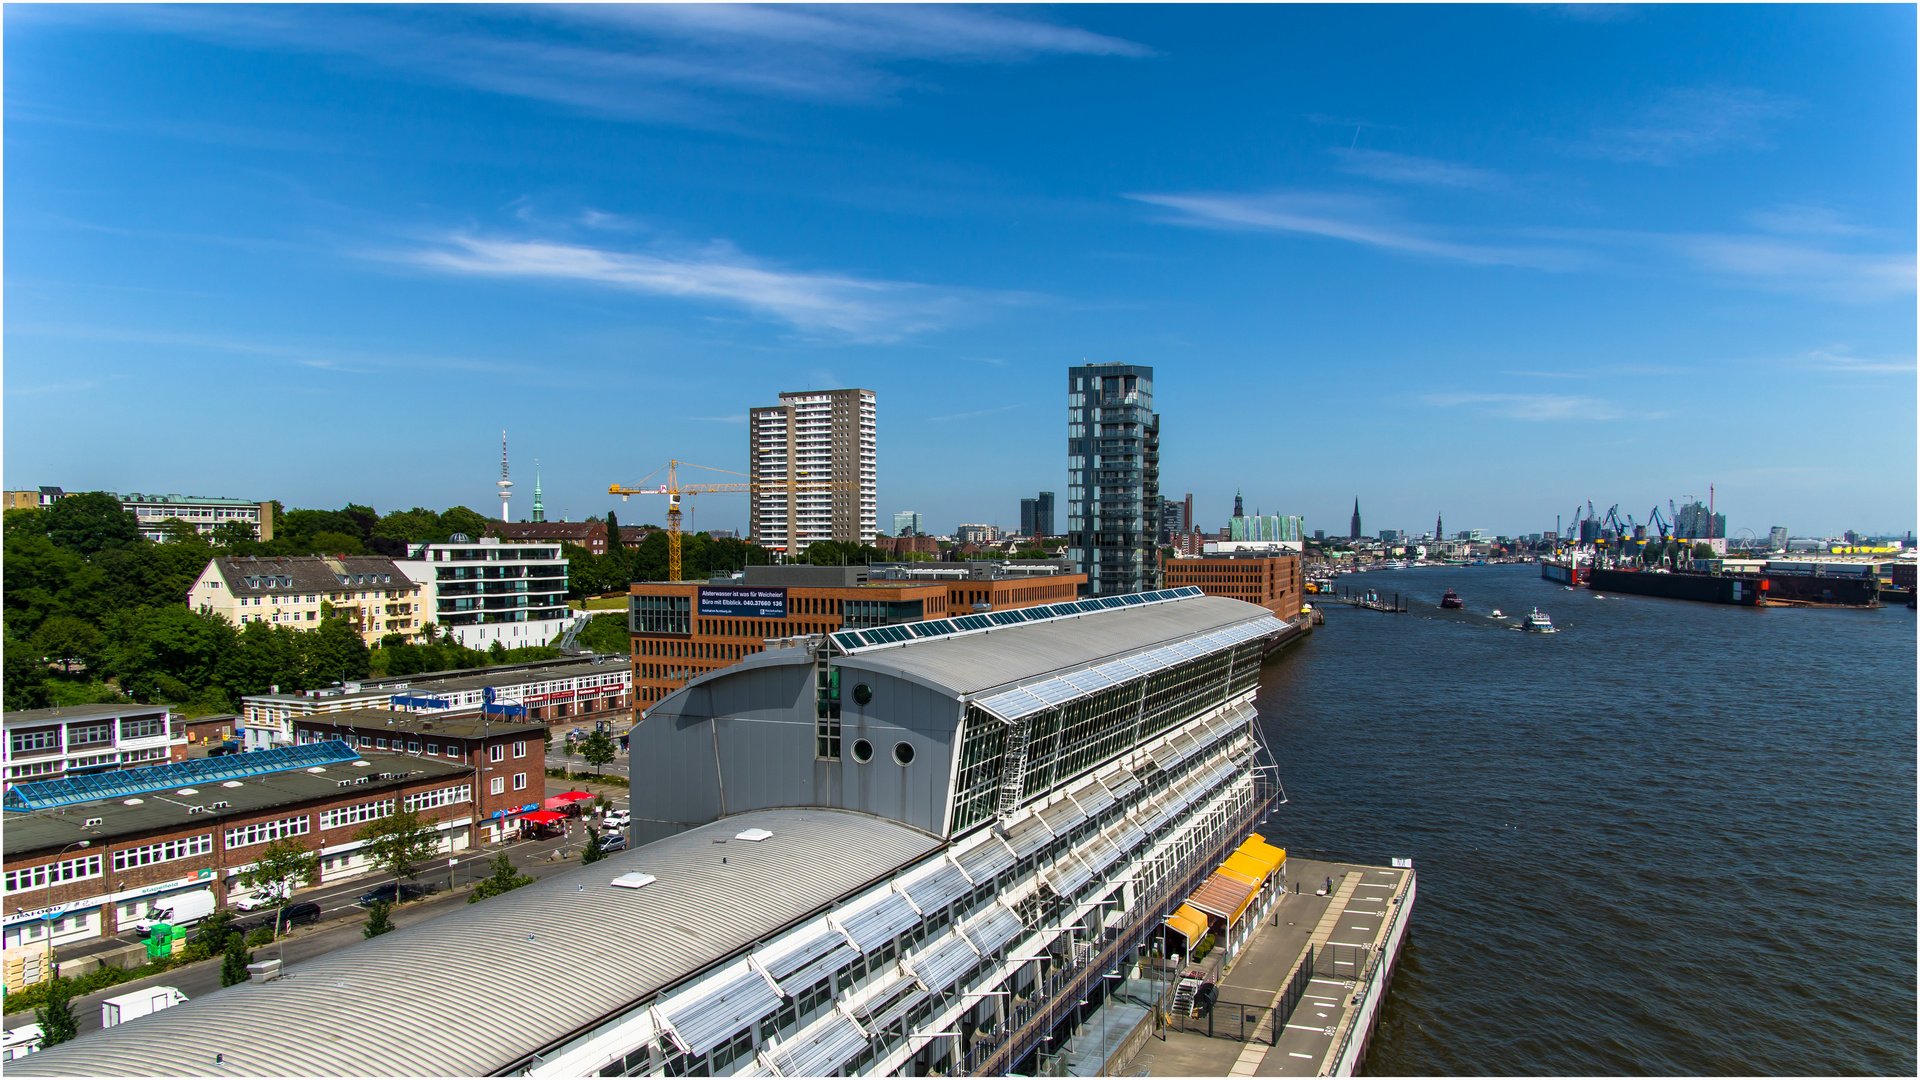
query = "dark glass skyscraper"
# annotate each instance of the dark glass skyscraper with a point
(1113, 476)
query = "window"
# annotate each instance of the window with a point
(44, 739)
(166, 851)
(519, 781)
(498, 786)
(260, 832)
(353, 815)
(85, 734)
(827, 714)
(497, 752)
(143, 727)
(379, 744)
(412, 747)
(427, 800)
(433, 749)
(33, 877)
(365, 741)
(661, 615)
(519, 749)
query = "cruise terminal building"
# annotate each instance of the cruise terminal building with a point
(907, 849)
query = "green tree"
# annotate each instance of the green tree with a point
(90, 522)
(279, 868)
(56, 1019)
(615, 544)
(178, 531)
(232, 534)
(593, 852)
(399, 843)
(335, 652)
(1700, 551)
(459, 519)
(597, 750)
(335, 543)
(503, 879)
(233, 965)
(63, 636)
(26, 675)
(379, 920)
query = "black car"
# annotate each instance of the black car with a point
(391, 891)
(294, 915)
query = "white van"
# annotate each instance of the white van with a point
(20, 1042)
(119, 1010)
(180, 909)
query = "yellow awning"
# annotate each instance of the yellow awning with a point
(1260, 849)
(1189, 922)
(1248, 866)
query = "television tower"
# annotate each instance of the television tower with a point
(505, 485)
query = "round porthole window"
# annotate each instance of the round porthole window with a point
(902, 753)
(862, 751)
(862, 693)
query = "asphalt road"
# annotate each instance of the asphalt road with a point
(341, 918)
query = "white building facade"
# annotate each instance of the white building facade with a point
(814, 464)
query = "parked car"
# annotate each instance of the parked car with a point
(295, 915)
(613, 842)
(231, 746)
(619, 819)
(390, 892)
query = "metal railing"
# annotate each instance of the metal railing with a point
(1029, 1022)
(1369, 982)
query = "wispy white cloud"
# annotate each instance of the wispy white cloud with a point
(1532, 406)
(667, 63)
(1407, 169)
(1689, 122)
(1349, 218)
(1796, 266)
(1802, 220)
(1841, 358)
(860, 308)
(976, 413)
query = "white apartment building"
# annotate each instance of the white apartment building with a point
(814, 463)
(370, 592)
(482, 591)
(53, 744)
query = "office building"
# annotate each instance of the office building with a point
(1696, 522)
(75, 740)
(907, 523)
(1777, 538)
(371, 593)
(1036, 516)
(882, 855)
(29, 500)
(155, 834)
(568, 690)
(1176, 518)
(1273, 528)
(826, 438)
(1113, 477)
(1255, 573)
(1389, 536)
(483, 591)
(974, 534)
(1319, 536)
(682, 630)
(204, 513)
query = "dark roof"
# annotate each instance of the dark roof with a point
(545, 530)
(26, 833)
(66, 713)
(306, 573)
(465, 726)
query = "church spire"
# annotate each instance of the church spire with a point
(539, 513)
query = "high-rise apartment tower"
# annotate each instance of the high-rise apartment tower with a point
(818, 436)
(1113, 476)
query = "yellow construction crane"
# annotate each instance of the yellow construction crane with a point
(673, 489)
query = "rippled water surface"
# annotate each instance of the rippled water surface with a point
(1673, 838)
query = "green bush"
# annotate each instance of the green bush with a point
(1205, 946)
(261, 936)
(35, 996)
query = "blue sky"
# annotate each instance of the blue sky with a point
(1490, 261)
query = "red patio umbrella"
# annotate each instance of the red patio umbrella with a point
(544, 817)
(568, 798)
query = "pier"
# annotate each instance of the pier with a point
(1368, 599)
(1301, 997)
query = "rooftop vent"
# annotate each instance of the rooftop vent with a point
(221, 805)
(92, 821)
(635, 880)
(755, 835)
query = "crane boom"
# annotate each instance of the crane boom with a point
(673, 489)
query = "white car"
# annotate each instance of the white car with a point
(618, 819)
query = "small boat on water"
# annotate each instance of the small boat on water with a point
(1452, 600)
(1498, 614)
(1537, 622)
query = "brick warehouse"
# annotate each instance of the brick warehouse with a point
(82, 869)
(1275, 582)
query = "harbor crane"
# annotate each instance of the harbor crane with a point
(674, 490)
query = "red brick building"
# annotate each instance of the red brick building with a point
(1275, 582)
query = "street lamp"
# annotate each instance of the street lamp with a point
(46, 917)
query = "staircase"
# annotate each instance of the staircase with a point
(1013, 769)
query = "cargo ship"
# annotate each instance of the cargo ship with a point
(1744, 590)
(1573, 568)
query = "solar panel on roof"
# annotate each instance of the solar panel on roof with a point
(1007, 618)
(1087, 681)
(848, 639)
(79, 789)
(973, 622)
(931, 628)
(1133, 598)
(1053, 691)
(993, 929)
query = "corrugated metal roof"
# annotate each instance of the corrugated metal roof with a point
(1092, 797)
(878, 921)
(971, 664)
(393, 1006)
(1029, 836)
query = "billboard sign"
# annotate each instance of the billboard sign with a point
(742, 602)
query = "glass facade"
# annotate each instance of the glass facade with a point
(1113, 476)
(660, 615)
(1068, 740)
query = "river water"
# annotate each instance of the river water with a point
(1672, 838)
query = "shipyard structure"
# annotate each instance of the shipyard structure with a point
(908, 849)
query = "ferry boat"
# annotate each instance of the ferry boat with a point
(1571, 569)
(1452, 600)
(1537, 622)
